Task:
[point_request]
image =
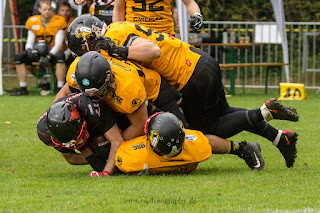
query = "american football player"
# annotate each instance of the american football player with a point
(75, 122)
(170, 148)
(197, 76)
(154, 14)
(47, 27)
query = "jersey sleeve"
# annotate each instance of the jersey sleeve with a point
(71, 78)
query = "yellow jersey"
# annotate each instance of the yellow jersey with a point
(151, 13)
(134, 84)
(137, 157)
(46, 33)
(176, 63)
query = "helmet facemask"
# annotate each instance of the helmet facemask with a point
(76, 143)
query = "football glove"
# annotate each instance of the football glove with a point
(105, 43)
(197, 21)
(44, 61)
(98, 174)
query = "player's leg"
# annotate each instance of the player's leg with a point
(249, 151)
(61, 69)
(20, 60)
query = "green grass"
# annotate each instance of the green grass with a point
(35, 178)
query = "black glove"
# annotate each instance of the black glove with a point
(105, 43)
(33, 55)
(196, 21)
(44, 61)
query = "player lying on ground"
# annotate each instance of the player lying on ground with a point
(197, 76)
(170, 148)
(75, 122)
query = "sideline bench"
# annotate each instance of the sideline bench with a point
(51, 74)
(271, 67)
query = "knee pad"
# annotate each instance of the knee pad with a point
(59, 57)
(21, 57)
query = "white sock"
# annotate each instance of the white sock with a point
(23, 84)
(60, 84)
(277, 139)
(266, 113)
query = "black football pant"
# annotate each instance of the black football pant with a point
(206, 109)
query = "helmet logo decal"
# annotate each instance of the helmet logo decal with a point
(85, 82)
(82, 32)
(74, 114)
(154, 138)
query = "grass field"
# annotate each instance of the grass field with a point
(35, 178)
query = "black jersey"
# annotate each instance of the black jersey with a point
(99, 118)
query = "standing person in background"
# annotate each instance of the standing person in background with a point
(103, 9)
(65, 11)
(154, 14)
(47, 27)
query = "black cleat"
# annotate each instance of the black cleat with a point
(280, 112)
(251, 153)
(287, 146)
(19, 91)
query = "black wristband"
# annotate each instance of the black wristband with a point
(96, 163)
(121, 51)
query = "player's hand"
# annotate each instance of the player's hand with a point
(104, 43)
(98, 174)
(197, 21)
(44, 61)
(80, 2)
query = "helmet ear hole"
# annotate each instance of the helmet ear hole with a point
(94, 74)
(165, 133)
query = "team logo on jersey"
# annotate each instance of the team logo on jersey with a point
(35, 27)
(190, 138)
(83, 31)
(136, 102)
(34, 19)
(154, 138)
(188, 63)
(119, 161)
(85, 82)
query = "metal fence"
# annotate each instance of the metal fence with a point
(303, 45)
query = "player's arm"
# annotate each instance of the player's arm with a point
(118, 11)
(137, 120)
(136, 51)
(194, 11)
(30, 40)
(58, 41)
(140, 46)
(64, 91)
(192, 7)
(74, 158)
(115, 138)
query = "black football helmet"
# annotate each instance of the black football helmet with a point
(66, 127)
(43, 47)
(165, 133)
(94, 75)
(81, 32)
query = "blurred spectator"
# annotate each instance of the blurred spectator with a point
(175, 17)
(103, 9)
(86, 7)
(65, 11)
(54, 4)
(47, 27)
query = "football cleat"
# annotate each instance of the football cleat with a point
(19, 91)
(273, 109)
(287, 146)
(251, 153)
